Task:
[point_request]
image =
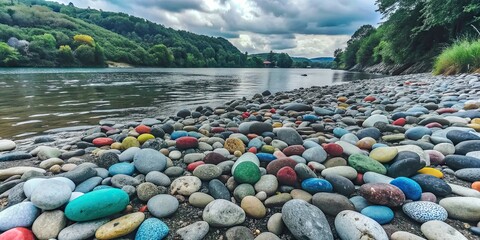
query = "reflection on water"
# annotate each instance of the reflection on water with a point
(34, 100)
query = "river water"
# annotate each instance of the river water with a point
(33, 101)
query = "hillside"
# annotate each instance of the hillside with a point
(42, 27)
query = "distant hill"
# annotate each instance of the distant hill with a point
(37, 30)
(322, 59)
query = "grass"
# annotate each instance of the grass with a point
(461, 57)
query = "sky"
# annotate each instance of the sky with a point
(307, 28)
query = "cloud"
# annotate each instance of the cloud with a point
(309, 27)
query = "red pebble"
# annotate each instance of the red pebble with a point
(287, 176)
(214, 158)
(369, 99)
(446, 110)
(102, 141)
(279, 154)
(359, 179)
(253, 150)
(298, 122)
(273, 110)
(194, 165)
(186, 143)
(434, 125)
(333, 149)
(252, 135)
(143, 208)
(294, 150)
(18, 233)
(142, 129)
(399, 122)
(217, 130)
(274, 166)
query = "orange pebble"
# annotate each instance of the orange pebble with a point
(476, 185)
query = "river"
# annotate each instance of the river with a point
(33, 100)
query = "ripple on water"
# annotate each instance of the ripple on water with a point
(26, 122)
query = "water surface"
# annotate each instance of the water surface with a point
(35, 100)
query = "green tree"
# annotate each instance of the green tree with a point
(8, 56)
(86, 55)
(65, 55)
(284, 60)
(161, 55)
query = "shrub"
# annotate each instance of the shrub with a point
(463, 56)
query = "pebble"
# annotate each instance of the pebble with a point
(382, 194)
(352, 225)
(147, 160)
(462, 208)
(19, 215)
(185, 185)
(222, 213)
(49, 224)
(268, 183)
(409, 187)
(315, 185)
(432, 184)
(7, 145)
(194, 231)
(162, 205)
(253, 207)
(380, 214)
(81, 230)
(305, 221)
(275, 224)
(50, 194)
(200, 200)
(363, 164)
(120, 226)
(424, 211)
(152, 228)
(437, 230)
(332, 203)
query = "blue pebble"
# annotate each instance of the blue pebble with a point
(265, 157)
(88, 185)
(398, 115)
(416, 133)
(257, 143)
(178, 134)
(315, 185)
(339, 132)
(310, 144)
(121, 168)
(409, 187)
(152, 228)
(310, 118)
(268, 134)
(377, 145)
(195, 134)
(381, 214)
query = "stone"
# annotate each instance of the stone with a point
(121, 180)
(341, 185)
(424, 211)
(344, 171)
(234, 144)
(432, 184)
(186, 143)
(128, 154)
(129, 142)
(185, 185)
(239, 233)
(218, 190)
(363, 164)
(243, 190)
(121, 168)
(6, 173)
(380, 214)
(438, 230)
(275, 224)
(152, 228)
(456, 162)
(287, 176)
(274, 166)
(294, 150)
(382, 194)
(50, 194)
(353, 225)
(18, 233)
(315, 185)
(12, 156)
(223, 213)
(359, 202)
(253, 207)
(45, 152)
(268, 183)
(162, 205)
(289, 135)
(305, 221)
(278, 200)
(147, 160)
(462, 208)
(409, 187)
(97, 204)
(158, 178)
(348, 148)
(267, 236)
(195, 231)
(81, 230)
(332, 203)
(145, 191)
(373, 177)
(200, 200)
(247, 172)
(317, 154)
(384, 154)
(468, 174)
(207, 172)
(49, 224)
(467, 146)
(7, 145)
(46, 164)
(405, 168)
(370, 121)
(19, 215)
(417, 133)
(88, 185)
(120, 226)
(80, 174)
(458, 136)
(401, 235)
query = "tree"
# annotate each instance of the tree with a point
(161, 55)
(65, 55)
(8, 55)
(86, 55)
(284, 60)
(84, 39)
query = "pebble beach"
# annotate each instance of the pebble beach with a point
(391, 158)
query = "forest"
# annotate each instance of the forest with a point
(38, 33)
(412, 34)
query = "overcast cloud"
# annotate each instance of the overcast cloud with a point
(309, 28)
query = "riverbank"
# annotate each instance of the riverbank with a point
(337, 147)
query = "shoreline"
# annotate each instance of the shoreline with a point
(324, 118)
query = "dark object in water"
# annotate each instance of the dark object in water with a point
(304, 75)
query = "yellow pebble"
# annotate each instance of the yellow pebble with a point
(237, 153)
(384, 154)
(121, 226)
(431, 171)
(144, 137)
(277, 125)
(342, 99)
(475, 126)
(475, 121)
(116, 145)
